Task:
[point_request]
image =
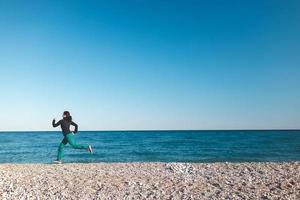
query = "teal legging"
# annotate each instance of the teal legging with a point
(69, 138)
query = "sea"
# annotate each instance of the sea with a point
(154, 146)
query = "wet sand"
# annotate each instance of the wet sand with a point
(151, 181)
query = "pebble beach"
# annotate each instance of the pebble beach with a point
(151, 181)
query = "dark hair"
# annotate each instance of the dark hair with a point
(68, 116)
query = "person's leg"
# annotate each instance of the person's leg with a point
(71, 140)
(61, 148)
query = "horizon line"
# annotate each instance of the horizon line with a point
(137, 130)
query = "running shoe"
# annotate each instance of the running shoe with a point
(57, 162)
(90, 149)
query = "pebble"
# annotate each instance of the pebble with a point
(151, 181)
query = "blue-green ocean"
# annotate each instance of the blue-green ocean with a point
(154, 146)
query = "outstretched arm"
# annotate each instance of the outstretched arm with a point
(76, 126)
(55, 124)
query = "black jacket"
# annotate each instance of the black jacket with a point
(65, 126)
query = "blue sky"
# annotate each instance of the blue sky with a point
(145, 64)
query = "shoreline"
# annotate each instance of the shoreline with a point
(151, 180)
(156, 162)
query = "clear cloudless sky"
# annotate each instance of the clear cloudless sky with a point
(150, 64)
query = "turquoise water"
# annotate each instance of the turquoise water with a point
(149, 146)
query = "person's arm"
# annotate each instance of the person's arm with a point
(76, 126)
(55, 124)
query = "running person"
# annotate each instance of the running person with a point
(65, 124)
